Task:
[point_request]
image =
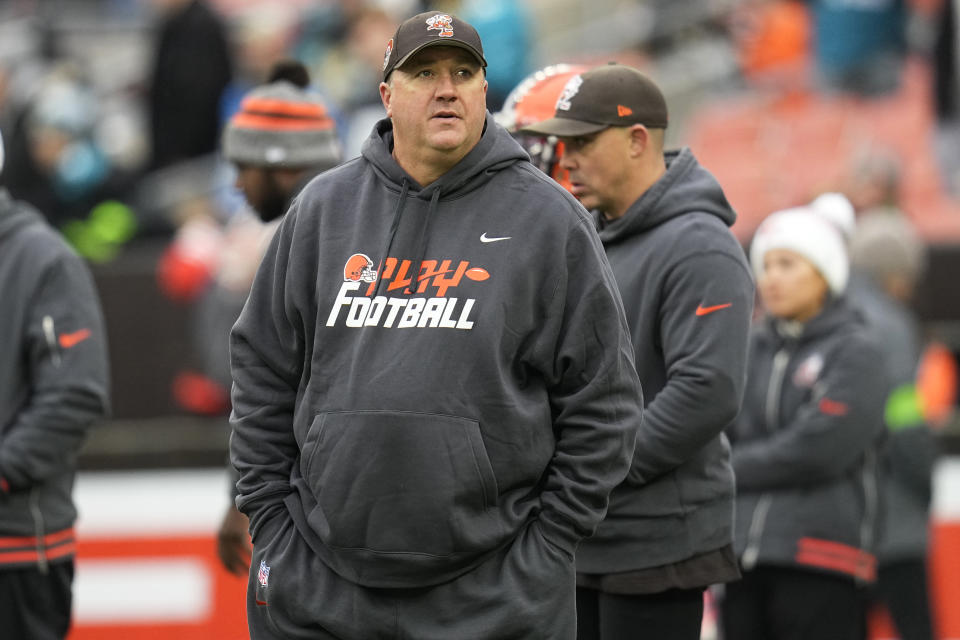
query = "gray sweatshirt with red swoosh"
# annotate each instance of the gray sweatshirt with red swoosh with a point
(411, 428)
(54, 384)
(688, 295)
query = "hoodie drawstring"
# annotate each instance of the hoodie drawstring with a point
(422, 242)
(397, 211)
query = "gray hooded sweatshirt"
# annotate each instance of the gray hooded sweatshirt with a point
(53, 384)
(412, 430)
(688, 295)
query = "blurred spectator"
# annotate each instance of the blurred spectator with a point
(887, 258)
(262, 35)
(874, 183)
(859, 45)
(773, 40)
(279, 140)
(191, 68)
(506, 29)
(64, 172)
(53, 385)
(367, 40)
(947, 95)
(805, 443)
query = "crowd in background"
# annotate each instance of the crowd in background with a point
(112, 113)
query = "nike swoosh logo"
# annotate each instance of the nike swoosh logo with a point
(484, 238)
(68, 340)
(702, 311)
(260, 602)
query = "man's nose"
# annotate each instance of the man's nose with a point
(446, 87)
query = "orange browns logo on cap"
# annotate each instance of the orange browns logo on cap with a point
(442, 23)
(623, 111)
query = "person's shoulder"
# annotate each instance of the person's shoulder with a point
(853, 335)
(698, 235)
(547, 196)
(41, 243)
(701, 231)
(333, 182)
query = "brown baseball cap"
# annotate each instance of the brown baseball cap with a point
(428, 29)
(613, 95)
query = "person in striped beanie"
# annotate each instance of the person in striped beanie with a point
(281, 137)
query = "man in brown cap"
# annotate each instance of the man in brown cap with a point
(434, 391)
(688, 292)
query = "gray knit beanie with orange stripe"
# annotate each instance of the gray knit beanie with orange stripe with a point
(282, 125)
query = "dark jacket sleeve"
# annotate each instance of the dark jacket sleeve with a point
(704, 319)
(586, 355)
(67, 363)
(266, 355)
(911, 454)
(829, 433)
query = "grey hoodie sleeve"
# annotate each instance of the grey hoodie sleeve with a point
(829, 433)
(704, 319)
(586, 355)
(266, 355)
(67, 363)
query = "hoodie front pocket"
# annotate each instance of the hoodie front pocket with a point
(399, 482)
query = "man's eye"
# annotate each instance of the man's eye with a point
(424, 73)
(465, 73)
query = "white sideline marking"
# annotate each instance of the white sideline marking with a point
(130, 504)
(142, 590)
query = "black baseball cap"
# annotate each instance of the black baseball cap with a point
(432, 28)
(613, 95)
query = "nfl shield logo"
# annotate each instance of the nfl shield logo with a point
(264, 573)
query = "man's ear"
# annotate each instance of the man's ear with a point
(386, 92)
(639, 139)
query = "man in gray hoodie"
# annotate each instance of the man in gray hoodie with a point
(688, 294)
(53, 385)
(434, 389)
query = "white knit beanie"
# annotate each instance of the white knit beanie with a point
(804, 231)
(836, 208)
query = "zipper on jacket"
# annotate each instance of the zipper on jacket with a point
(772, 405)
(772, 413)
(752, 552)
(42, 563)
(51, 335)
(871, 503)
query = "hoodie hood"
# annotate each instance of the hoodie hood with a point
(14, 215)
(495, 150)
(686, 187)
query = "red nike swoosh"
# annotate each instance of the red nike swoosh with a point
(702, 311)
(260, 602)
(68, 340)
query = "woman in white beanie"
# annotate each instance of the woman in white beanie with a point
(804, 443)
